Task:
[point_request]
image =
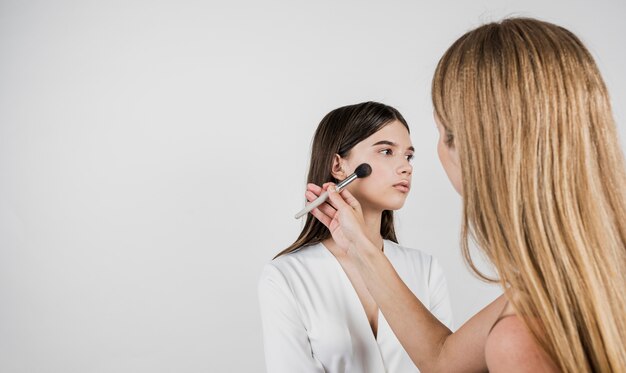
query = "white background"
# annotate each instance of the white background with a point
(153, 154)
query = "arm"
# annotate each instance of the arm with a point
(287, 347)
(439, 297)
(429, 343)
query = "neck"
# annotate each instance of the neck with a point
(373, 219)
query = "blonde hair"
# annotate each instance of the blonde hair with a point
(544, 183)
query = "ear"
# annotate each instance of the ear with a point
(338, 168)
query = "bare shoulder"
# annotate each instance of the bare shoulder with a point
(510, 347)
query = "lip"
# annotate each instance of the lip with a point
(404, 186)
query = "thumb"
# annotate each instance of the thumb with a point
(350, 200)
(336, 200)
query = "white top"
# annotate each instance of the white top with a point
(313, 320)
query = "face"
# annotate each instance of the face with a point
(449, 158)
(389, 152)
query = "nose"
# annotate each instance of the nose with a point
(405, 168)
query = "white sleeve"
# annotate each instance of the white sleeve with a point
(287, 346)
(439, 297)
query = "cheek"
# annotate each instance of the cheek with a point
(439, 150)
(369, 184)
(375, 163)
(442, 152)
(379, 176)
(372, 183)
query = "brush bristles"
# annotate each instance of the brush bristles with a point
(363, 170)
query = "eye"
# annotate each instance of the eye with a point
(410, 157)
(449, 141)
(386, 152)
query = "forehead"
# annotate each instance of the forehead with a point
(395, 132)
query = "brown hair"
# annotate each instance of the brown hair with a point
(544, 183)
(338, 132)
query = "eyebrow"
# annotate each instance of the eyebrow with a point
(391, 143)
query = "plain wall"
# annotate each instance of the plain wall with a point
(153, 154)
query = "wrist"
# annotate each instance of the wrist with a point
(362, 246)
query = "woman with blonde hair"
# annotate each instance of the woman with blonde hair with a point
(528, 139)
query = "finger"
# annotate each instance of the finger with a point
(350, 200)
(336, 200)
(314, 188)
(326, 185)
(322, 217)
(325, 207)
(328, 210)
(310, 196)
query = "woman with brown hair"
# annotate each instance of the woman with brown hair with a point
(317, 313)
(528, 139)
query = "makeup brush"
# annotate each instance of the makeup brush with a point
(362, 171)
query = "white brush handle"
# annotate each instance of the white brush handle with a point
(318, 201)
(324, 196)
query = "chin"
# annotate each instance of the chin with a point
(383, 202)
(393, 205)
(396, 207)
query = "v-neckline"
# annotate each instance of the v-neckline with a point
(364, 315)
